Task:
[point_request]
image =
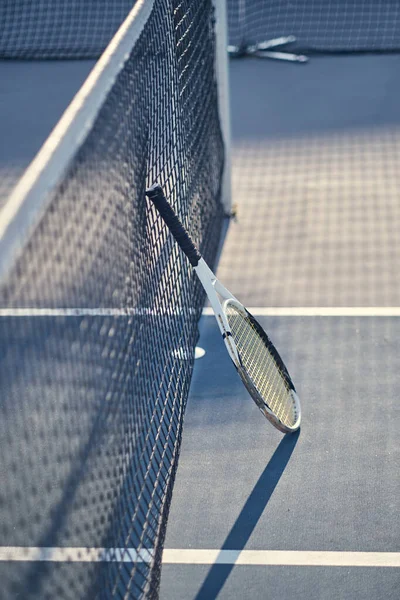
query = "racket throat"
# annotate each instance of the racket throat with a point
(214, 290)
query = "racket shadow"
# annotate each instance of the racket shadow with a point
(249, 516)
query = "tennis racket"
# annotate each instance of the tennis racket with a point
(258, 363)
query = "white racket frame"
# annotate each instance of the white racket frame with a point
(214, 289)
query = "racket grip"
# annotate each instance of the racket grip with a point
(156, 195)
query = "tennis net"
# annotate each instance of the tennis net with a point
(99, 310)
(319, 26)
(59, 28)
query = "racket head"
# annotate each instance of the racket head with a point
(262, 370)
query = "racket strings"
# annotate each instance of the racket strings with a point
(260, 365)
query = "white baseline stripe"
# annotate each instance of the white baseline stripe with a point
(315, 311)
(67, 312)
(320, 311)
(88, 312)
(83, 554)
(282, 557)
(203, 557)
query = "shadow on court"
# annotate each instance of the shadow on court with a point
(249, 515)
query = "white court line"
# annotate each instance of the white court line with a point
(282, 557)
(301, 311)
(83, 554)
(204, 557)
(66, 312)
(320, 311)
(88, 312)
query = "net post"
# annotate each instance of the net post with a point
(222, 74)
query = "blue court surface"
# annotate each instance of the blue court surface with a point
(315, 251)
(322, 496)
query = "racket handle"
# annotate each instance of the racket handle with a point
(156, 195)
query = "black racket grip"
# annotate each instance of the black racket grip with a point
(156, 195)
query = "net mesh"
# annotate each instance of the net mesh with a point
(320, 25)
(59, 28)
(263, 365)
(93, 399)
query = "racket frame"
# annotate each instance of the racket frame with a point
(214, 290)
(213, 287)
